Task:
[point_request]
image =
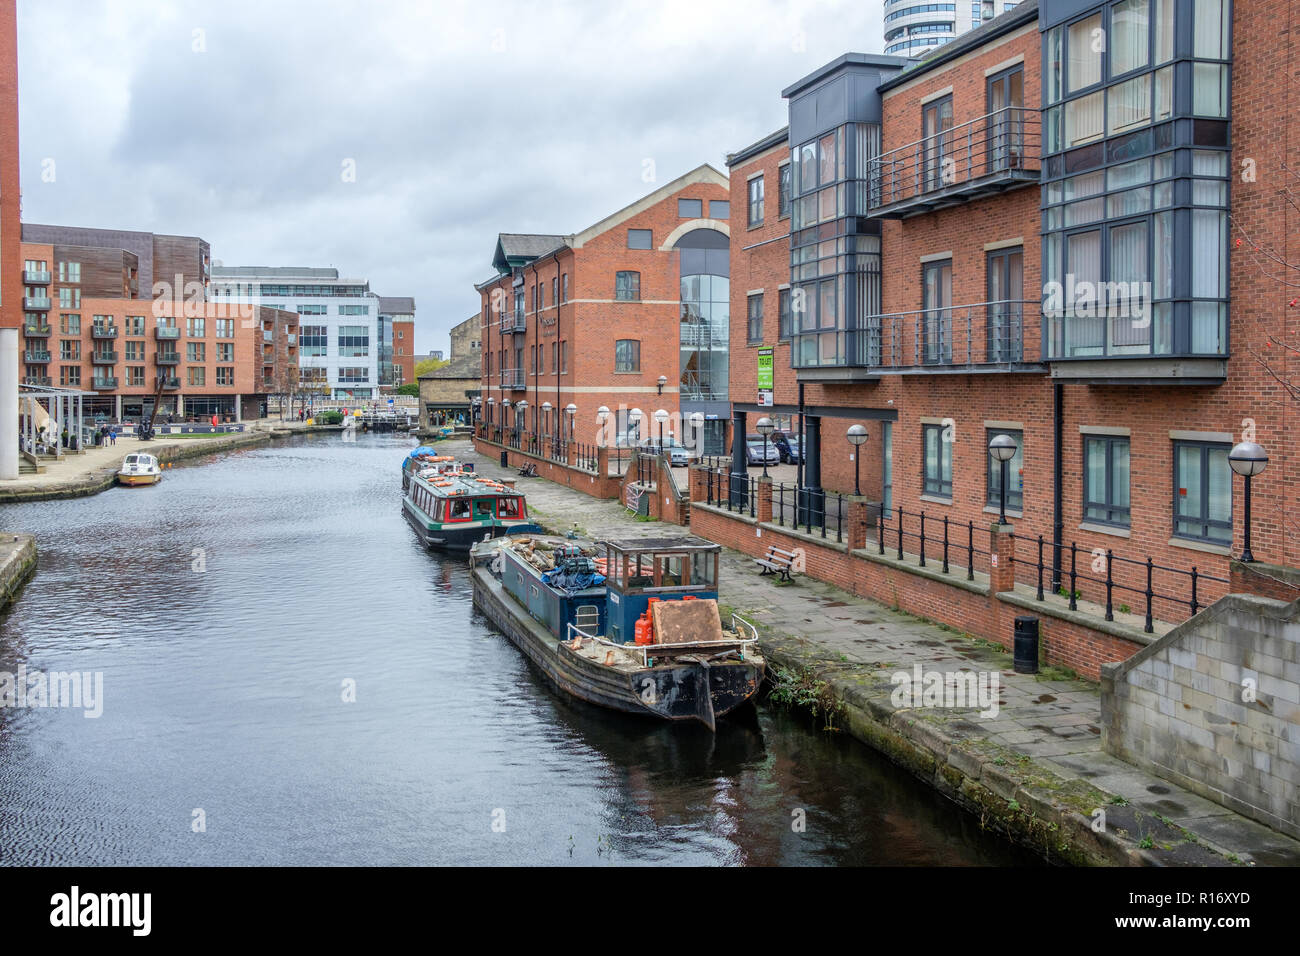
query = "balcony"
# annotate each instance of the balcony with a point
(36, 277)
(101, 384)
(171, 383)
(1115, 344)
(167, 332)
(167, 358)
(36, 303)
(43, 380)
(992, 154)
(513, 323)
(969, 339)
(103, 331)
(37, 357)
(99, 357)
(36, 331)
(702, 335)
(512, 378)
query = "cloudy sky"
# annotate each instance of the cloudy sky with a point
(239, 121)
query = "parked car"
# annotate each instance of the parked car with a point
(754, 451)
(788, 444)
(678, 454)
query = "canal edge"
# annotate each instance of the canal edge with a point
(16, 566)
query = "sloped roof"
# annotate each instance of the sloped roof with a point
(515, 248)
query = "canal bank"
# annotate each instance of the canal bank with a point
(17, 562)
(1033, 769)
(95, 469)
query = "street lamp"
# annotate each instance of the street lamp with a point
(602, 417)
(764, 427)
(697, 424)
(857, 436)
(1002, 448)
(661, 416)
(1248, 460)
(663, 380)
(572, 411)
(634, 419)
(546, 416)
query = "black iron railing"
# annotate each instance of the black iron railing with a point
(737, 493)
(812, 509)
(940, 541)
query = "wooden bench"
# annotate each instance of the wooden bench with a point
(777, 562)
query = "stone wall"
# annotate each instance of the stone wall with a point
(1214, 706)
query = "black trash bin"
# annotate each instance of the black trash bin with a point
(505, 459)
(1026, 645)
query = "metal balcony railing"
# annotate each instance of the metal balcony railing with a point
(36, 277)
(98, 383)
(37, 357)
(167, 332)
(37, 380)
(513, 323)
(32, 331)
(984, 335)
(36, 303)
(172, 383)
(167, 358)
(103, 331)
(997, 151)
(512, 378)
(99, 357)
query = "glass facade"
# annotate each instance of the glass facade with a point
(834, 250)
(1135, 180)
(705, 316)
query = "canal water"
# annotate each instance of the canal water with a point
(232, 609)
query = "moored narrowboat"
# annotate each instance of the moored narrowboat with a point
(631, 626)
(425, 458)
(453, 509)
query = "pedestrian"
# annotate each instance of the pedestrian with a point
(112, 435)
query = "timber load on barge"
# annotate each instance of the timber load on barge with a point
(632, 626)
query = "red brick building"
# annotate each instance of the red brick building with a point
(113, 311)
(11, 307)
(629, 313)
(1083, 248)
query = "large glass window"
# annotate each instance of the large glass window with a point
(1202, 492)
(1106, 480)
(638, 238)
(627, 286)
(627, 355)
(755, 318)
(937, 478)
(354, 341)
(314, 339)
(755, 187)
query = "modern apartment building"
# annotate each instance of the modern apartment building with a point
(916, 29)
(630, 314)
(1028, 233)
(339, 345)
(116, 311)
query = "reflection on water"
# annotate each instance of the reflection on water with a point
(230, 608)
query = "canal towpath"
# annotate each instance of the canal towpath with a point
(1035, 769)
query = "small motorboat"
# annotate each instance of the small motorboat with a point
(139, 469)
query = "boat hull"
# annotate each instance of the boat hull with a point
(131, 480)
(458, 539)
(674, 692)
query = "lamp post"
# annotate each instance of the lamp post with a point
(602, 417)
(857, 436)
(1248, 460)
(491, 405)
(1002, 448)
(697, 424)
(663, 380)
(661, 416)
(546, 416)
(634, 420)
(764, 427)
(521, 419)
(572, 411)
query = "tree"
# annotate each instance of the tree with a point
(430, 365)
(410, 388)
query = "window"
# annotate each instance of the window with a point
(354, 341)
(755, 318)
(352, 375)
(70, 349)
(1015, 472)
(196, 375)
(756, 201)
(1106, 480)
(195, 351)
(135, 375)
(1202, 492)
(194, 328)
(352, 310)
(627, 287)
(225, 328)
(69, 374)
(314, 339)
(532, 360)
(102, 322)
(936, 326)
(69, 298)
(313, 309)
(627, 355)
(69, 271)
(783, 191)
(690, 208)
(555, 298)
(719, 209)
(134, 351)
(564, 287)
(564, 358)
(937, 477)
(225, 351)
(135, 325)
(637, 239)
(783, 314)
(225, 376)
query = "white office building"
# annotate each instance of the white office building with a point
(915, 29)
(338, 322)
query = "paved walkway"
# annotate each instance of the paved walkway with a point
(1045, 735)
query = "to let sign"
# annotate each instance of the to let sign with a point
(764, 368)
